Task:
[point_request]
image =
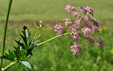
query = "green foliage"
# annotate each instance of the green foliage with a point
(26, 65)
(24, 49)
(56, 55)
(10, 56)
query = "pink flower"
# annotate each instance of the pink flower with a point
(75, 36)
(68, 22)
(83, 10)
(73, 27)
(89, 10)
(100, 42)
(60, 29)
(75, 48)
(86, 31)
(88, 19)
(90, 40)
(79, 21)
(95, 22)
(86, 25)
(70, 9)
(76, 15)
(94, 29)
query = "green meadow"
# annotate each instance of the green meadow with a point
(56, 55)
(27, 10)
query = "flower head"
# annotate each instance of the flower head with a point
(105, 61)
(94, 29)
(111, 51)
(86, 31)
(60, 29)
(100, 42)
(79, 21)
(85, 25)
(76, 15)
(75, 48)
(90, 41)
(89, 10)
(88, 19)
(68, 22)
(95, 22)
(75, 36)
(83, 10)
(70, 9)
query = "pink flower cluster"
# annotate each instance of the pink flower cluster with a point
(60, 29)
(76, 49)
(85, 25)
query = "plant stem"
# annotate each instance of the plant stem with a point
(52, 39)
(35, 34)
(5, 29)
(70, 16)
(8, 66)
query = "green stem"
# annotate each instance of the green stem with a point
(8, 66)
(70, 16)
(5, 29)
(35, 34)
(52, 39)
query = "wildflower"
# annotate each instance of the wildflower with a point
(70, 9)
(68, 22)
(39, 24)
(95, 22)
(90, 40)
(75, 48)
(100, 42)
(73, 27)
(83, 10)
(105, 61)
(86, 25)
(88, 19)
(81, 67)
(79, 21)
(60, 29)
(86, 31)
(89, 10)
(76, 15)
(100, 29)
(75, 36)
(94, 29)
(111, 51)
(40, 21)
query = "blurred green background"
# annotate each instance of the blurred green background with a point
(56, 55)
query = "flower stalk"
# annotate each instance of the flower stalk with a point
(5, 29)
(8, 66)
(53, 38)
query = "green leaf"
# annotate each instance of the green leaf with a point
(30, 49)
(26, 35)
(9, 56)
(33, 45)
(27, 65)
(24, 48)
(20, 55)
(21, 45)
